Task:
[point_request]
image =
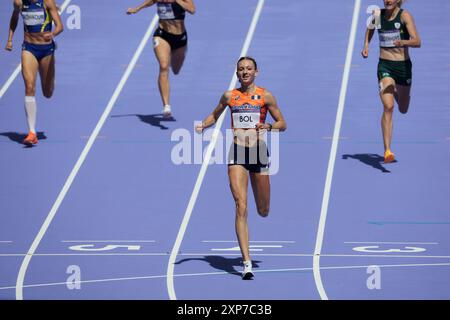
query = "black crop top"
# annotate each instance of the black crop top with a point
(170, 11)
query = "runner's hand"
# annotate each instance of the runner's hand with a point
(398, 43)
(199, 128)
(261, 127)
(9, 46)
(48, 36)
(365, 53)
(132, 11)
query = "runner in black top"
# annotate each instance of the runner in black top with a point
(169, 41)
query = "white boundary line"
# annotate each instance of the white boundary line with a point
(10, 80)
(236, 254)
(225, 273)
(251, 241)
(107, 241)
(79, 163)
(201, 175)
(376, 242)
(19, 67)
(333, 152)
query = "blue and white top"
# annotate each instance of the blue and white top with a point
(36, 17)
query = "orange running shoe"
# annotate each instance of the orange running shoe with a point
(30, 139)
(388, 156)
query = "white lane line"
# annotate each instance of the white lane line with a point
(106, 241)
(226, 273)
(201, 175)
(19, 67)
(79, 163)
(251, 248)
(333, 152)
(10, 80)
(6, 241)
(254, 241)
(287, 255)
(376, 242)
(382, 256)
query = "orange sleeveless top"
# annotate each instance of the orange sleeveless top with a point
(247, 109)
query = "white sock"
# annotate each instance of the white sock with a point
(30, 111)
(248, 264)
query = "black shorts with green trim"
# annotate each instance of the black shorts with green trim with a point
(400, 71)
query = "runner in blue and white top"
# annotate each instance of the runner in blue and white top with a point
(38, 52)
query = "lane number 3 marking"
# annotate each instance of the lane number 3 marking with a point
(396, 250)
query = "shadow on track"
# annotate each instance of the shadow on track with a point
(222, 263)
(18, 137)
(370, 159)
(155, 120)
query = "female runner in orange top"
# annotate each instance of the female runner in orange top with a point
(249, 105)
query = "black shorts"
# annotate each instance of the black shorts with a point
(254, 159)
(400, 71)
(175, 41)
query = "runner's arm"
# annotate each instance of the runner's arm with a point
(53, 11)
(275, 112)
(414, 38)
(145, 4)
(13, 23)
(212, 118)
(187, 5)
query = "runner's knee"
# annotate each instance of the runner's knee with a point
(48, 93)
(176, 70)
(164, 68)
(388, 107)
(263, 211)
(241, 208)
(30, 87)
(403, 109)
(403, 105)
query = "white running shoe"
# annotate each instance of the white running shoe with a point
(167, 112)
(247, 274)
